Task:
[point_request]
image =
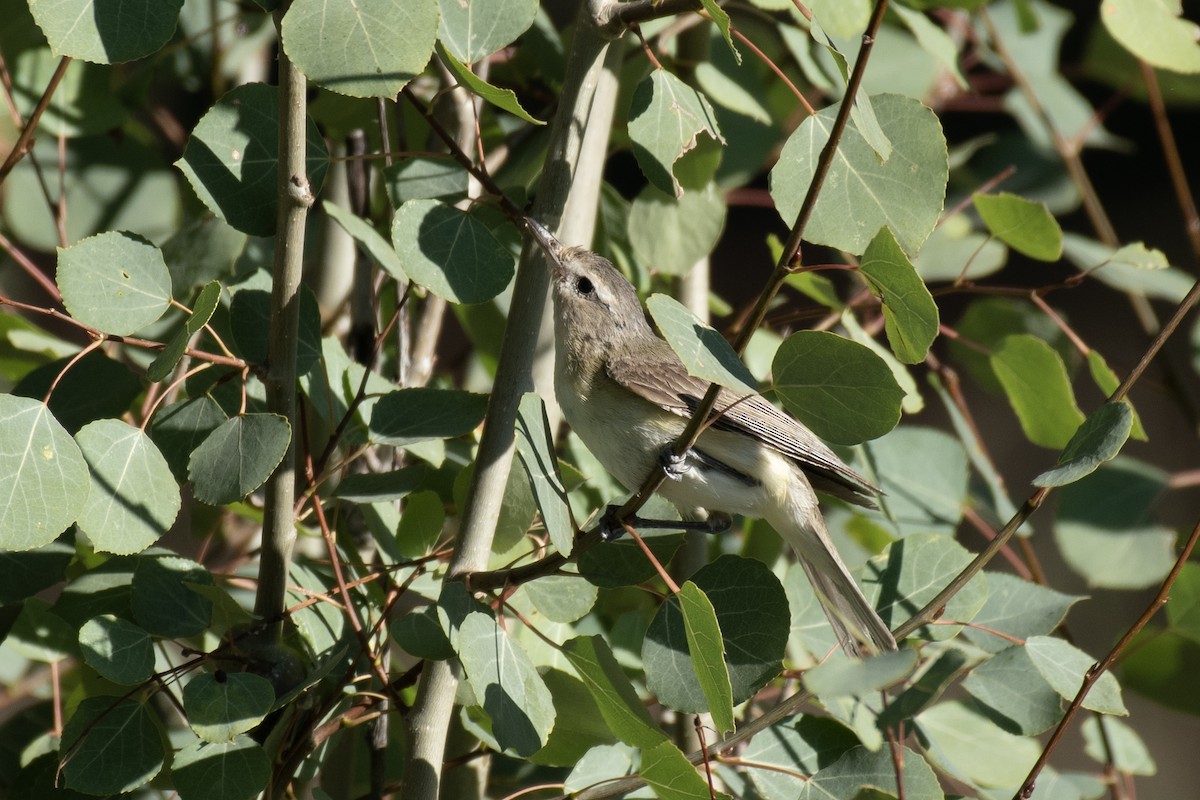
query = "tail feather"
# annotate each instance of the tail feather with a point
(858, 627)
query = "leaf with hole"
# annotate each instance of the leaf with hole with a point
(115, 282)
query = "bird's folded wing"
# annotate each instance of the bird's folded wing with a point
(662, 379)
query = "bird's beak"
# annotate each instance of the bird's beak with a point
(547, 240)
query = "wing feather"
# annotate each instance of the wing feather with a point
(668, 385)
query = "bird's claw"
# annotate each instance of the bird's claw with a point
(611, 528)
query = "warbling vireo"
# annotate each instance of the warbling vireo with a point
(628, 397)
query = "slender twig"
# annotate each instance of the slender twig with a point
(132, 341)
(25, 140)
(31, 269)
(1097, 670)
(1175, 168)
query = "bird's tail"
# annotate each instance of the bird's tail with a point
(858, 627)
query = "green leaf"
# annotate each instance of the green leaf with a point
(116, 648)
(115, 746)
(238, 457)
(180, 427)
(798, 748)
(947, 667)
(116, 282)
(622, 562)
(1133, 268)
(95, 387)
(220, 704)
(703, 351)
(1063, 666)
(665, 120)
(914, 569)
(842, 18)
(506, 684)
(1019, 609)
(250, 323)
(576, 733)
(972, 748)
(708, 654)
(727, 91)
(905, 193)
(231, 159)
(451, 253)
(421, 178)
(670, 234)
(1036, 382)
(600, 764)
(562, 598)
(207, 771)
(420, 524)
(1154, 32)
(206, 303)
(1183, 610)
(840, 389)
(671, 776)
(46, 477)
(861, 767)
(752, 611)
(406, 416)
(133, 498)
(23, 575)
(85, 103)
(909, 313)
(505, 99)
(535, 449)
(1016, 696)
(363, 232)
(720, 18)
(955, 248)
(862, 115)
(1107, 382)
(368, 48)
(933, 40)
(100, 590)
(164, 599)
(847, 677)
(619, 704)
(103, 34)
(203, 250)
(913, 402)
(1161, 665)
(1119, 745)
(1104, 529)
(473, 31)
(1023, 225)
(379, 487)
(41, 634)
(1098, 440)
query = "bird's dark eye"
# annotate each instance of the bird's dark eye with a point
(584, 286)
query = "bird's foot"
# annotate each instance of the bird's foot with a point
(674, 466)
(611, 528)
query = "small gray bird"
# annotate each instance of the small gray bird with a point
(628, 396)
